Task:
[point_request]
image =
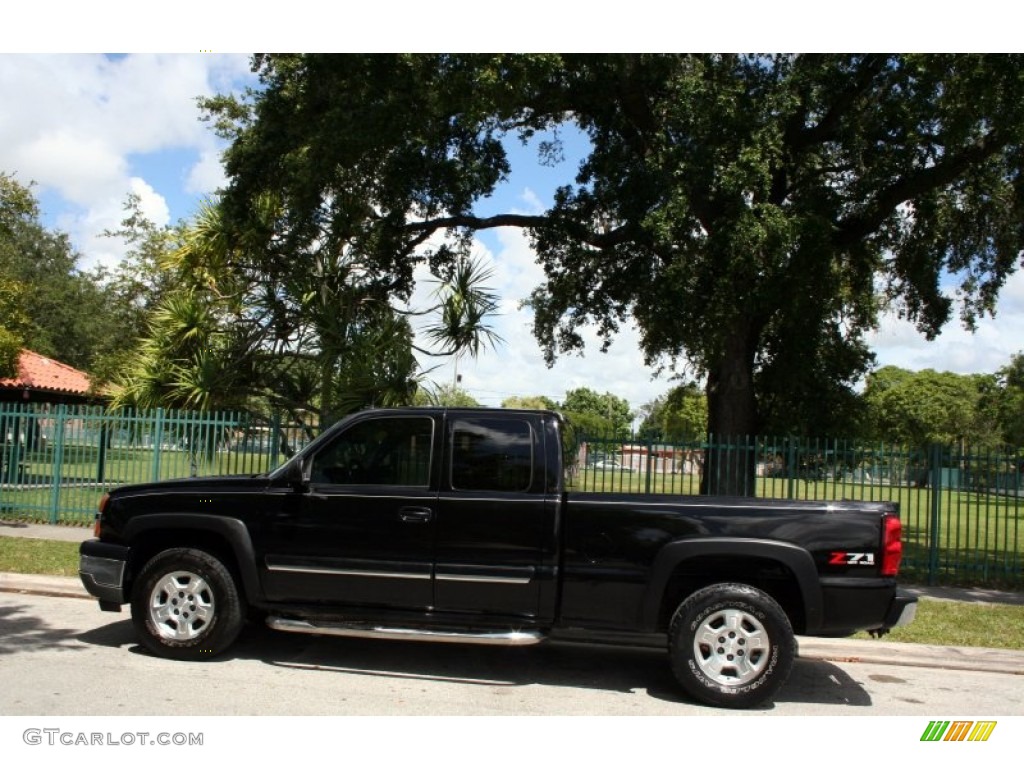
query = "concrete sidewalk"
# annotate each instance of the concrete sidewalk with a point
(53, 532)
(826, 649)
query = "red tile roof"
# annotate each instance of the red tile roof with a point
(41, 373)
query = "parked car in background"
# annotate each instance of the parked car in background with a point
(612, 464)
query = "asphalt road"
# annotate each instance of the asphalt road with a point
(62, 656)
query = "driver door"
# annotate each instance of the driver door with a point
(363, 533)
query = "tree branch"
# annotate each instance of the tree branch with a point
(426, 228)
(799, 136)
(859, 225)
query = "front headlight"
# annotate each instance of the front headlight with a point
(99, 515)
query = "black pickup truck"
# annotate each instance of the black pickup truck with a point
(460, 525)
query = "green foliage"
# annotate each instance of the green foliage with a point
(681, 415)
(134, 288)
(756, 199)
(189, 359)
(532, 402)
(244, 325)
(463, 309)
(17, 205)
(13, 325)
(1010, 401)
(597, 414)
(447, 395)
(918, 408)
(47, 303)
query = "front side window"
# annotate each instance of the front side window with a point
(388, 451)
(492, 454)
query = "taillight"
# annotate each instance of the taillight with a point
(892, 545)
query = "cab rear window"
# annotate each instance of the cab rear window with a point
(491, 454)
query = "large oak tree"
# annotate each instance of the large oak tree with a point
(752, 214)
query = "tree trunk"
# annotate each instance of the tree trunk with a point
(328, 364)
(730, 459)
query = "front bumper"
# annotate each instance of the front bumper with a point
(101, 568)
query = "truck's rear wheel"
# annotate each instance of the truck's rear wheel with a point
(185, 605)
(731, 645)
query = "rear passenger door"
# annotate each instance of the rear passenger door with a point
(495, 547)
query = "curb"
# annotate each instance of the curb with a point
(45, 586)
(958, 658)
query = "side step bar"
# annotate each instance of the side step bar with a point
(363, 629)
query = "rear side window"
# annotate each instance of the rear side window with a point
(491, 454)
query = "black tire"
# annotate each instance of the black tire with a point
(731, 645)
(186, 605)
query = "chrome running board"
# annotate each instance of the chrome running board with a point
(364, 629)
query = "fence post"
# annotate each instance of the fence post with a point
(647, 479)
(275, 440)
(791, 468)
(101, 459)
(14, 457)
(935, 498)
(58, 462)
(158, 438)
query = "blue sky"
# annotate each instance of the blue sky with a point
(89, 129)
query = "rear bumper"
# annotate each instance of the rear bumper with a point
(902, 611)
(101, 567)
(853, 605)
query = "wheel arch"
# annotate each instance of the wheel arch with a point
(784, 571)
(225, 537)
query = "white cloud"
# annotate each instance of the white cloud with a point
(985, 350)
(151, 203)
(207, 175)
(533, 202)
(81, 167)
(86, 227)
(91, 129)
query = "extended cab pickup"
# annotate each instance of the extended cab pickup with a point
(458, 525)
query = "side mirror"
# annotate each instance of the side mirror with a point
(294, 476)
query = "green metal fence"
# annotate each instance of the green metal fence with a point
(961, 509)
(56, 461)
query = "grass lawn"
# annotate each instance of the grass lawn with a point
(981, 625)
(38, 556)
(938, 622)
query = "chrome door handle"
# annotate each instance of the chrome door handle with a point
(415, 514)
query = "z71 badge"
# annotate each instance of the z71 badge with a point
(852, 558)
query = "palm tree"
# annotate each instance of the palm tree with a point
(465, 304)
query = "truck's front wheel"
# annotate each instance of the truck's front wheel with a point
(731, 645)
(185, 605)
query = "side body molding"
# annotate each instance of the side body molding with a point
(791, 556)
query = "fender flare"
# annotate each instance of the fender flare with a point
(796, 559)
(231, 529)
